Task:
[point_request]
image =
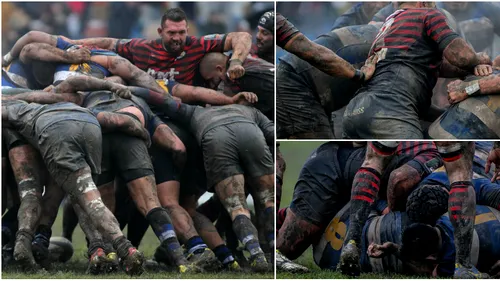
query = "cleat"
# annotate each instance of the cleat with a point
(23, 253)
(132, 263)
(41, 252)
(258, 263)
(98, 262)
(113, 262)
(349, 260)
(462, 272)
(233, 266)
(206, 260)
(283, 264)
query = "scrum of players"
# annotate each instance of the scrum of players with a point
(410, 207)
(409, 70)
(123, 132)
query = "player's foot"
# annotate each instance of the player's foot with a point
(113, 262)
(98, 262)
(7, 254)
(462, 272)
(349, 260)
(204, 259)
(233, 266)
(23, 253)
(132, 263)
(285, 265)
(41, 253)
(258, 263)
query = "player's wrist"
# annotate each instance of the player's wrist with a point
(359, 76)
(472, 88)
(235, 61)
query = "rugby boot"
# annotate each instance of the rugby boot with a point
(23, 253)
(204, 259)
(462, 272)
(233, 266)
(40, 249)
(164, 254)
(258, 263)
(349, 260)
(132, 263)
(283, 264)
(98, 262)
(7, 254)
(113, 262)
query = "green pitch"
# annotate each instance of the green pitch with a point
(76, 267)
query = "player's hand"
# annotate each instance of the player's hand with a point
(494, 157)
(369, 67)
(245, 98)
(495, 270)
(483, 70)
(456, 91)
(49, 88)
(235, 70)
(484, 58)
(121, 91)
(177, 99)
(81, 55)
(377, 251)
(7, 59)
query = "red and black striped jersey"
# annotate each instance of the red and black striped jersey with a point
(151, 56)
(413, 36)
(285, 30)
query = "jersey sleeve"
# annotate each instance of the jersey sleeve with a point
(437, 28)
(213, 42)
(62, 44)
(125, 47)
(285, 30)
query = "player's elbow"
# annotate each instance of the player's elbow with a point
(27, 53)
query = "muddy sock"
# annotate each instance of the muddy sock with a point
(94, 245)
(195, 245)
(170, 248)
(121, 244)
(364, 191)
(269, 231)
(43, 234)
(223, 253)
(462, 210)
(247, 234)
(280, 218)
(107, 246)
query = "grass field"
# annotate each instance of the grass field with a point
(295, 154)
(76, 267)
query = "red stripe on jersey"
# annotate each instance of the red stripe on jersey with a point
(399, 39)
(442, 34)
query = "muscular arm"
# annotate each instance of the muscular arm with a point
(192, 94)
(48, 53)
(84, 83)
(448, 70)
(460, 54)
(320, 57)
(240, 43)
(32, 37)
(489, 85)
(46, 97)
(168, 140)
(100, 42)
(112, 122)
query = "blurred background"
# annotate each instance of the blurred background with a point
(124, 19)
(316, 18)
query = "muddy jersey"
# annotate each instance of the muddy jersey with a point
(285, 30)
(99, 101)
(258, 79)
(206, 118)
(151, 56)
(254, 52)
(351, 43)
(18, 75)
(31, 119)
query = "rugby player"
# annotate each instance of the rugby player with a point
(264, 48)
(41, 126)
(412, 62)
(305, 95)
(258, 79)
(358, 14)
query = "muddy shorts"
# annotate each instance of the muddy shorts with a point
(11, 139)
(473, 118)
(68, 146)
(324, 184)
(377, 115)
(124, 156)
(299, 113)
(233, 149)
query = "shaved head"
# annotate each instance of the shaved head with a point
(213, 68)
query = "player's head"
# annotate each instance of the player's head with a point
(173, 30)
(213, 68)
(427, 203)
(418, 4)
(420, 248)
(265, 33)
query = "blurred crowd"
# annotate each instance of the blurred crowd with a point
(316, 18)
(124, 19)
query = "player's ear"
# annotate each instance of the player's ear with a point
(160, 29)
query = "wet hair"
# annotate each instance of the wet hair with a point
(427, 204)
(174, 14)
(419, 241)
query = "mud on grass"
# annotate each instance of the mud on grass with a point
(76, 267)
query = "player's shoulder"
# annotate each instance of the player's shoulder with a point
(138, 42)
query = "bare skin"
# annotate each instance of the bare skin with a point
(48, 53)
(401, 183)
(280, 172)
(487, 86)
(262, 191)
